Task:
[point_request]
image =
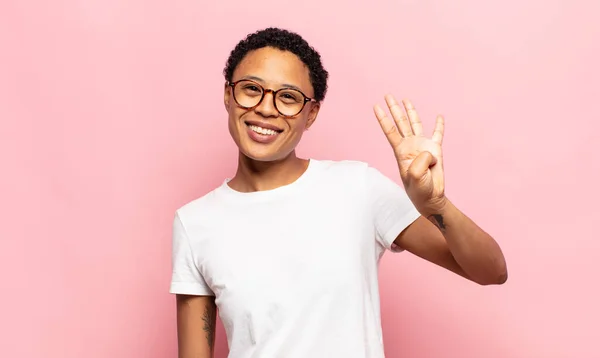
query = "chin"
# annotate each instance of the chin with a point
(263, 154)
(262, 148)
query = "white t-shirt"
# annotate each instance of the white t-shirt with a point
(294, 269)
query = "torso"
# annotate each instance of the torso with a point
(294, 270)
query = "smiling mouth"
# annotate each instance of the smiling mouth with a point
(263, 131)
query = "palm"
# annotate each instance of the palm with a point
(419, 158)
(408, 150)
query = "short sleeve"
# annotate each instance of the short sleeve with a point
(391, 208)
(186, 277)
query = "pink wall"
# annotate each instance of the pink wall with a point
(111, 116)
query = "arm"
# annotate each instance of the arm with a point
(196, 321)
(458, 243)
(450, 239)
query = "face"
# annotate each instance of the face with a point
(262, 133)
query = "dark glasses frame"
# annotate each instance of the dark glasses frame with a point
(265, 91)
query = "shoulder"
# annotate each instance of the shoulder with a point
(198, 209)
(359, 176)
(342, 167)
(340, 174)
(353, 172)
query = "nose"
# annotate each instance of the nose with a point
(266, 107)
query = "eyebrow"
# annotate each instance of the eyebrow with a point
(284, 85)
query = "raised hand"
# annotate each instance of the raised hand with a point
(419, 158)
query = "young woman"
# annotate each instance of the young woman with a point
(288, 249)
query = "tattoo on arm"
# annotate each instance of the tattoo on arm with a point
(438, 221)
(209, 318)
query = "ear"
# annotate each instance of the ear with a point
(312, 115)
(226, 96)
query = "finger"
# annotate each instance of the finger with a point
(388, 126)
(418, 168)
(399, 116)
(415, 121)
(438, 132)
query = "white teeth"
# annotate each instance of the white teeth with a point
(261, 130)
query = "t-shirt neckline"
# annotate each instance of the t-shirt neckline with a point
(225, 189)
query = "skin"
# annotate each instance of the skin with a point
(442, 235)
(268, 166)
(260, 167)
(196, 323)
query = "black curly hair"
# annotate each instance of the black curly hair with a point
(287, 41)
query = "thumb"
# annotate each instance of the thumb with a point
(420, 165)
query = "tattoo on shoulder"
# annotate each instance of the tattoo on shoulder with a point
(438, 221)
(209, 318)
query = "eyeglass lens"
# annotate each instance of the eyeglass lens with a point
(288, 102)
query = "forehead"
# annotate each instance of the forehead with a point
(275, 68)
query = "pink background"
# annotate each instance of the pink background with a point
(112, 117)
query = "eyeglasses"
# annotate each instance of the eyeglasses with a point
(288, 102)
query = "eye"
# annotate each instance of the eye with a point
(290, 96)
(252, 88)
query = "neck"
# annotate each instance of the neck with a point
(253, 175)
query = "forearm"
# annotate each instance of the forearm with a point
(477, 253)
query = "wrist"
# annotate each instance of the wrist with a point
(441, 206)
(438, 214)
